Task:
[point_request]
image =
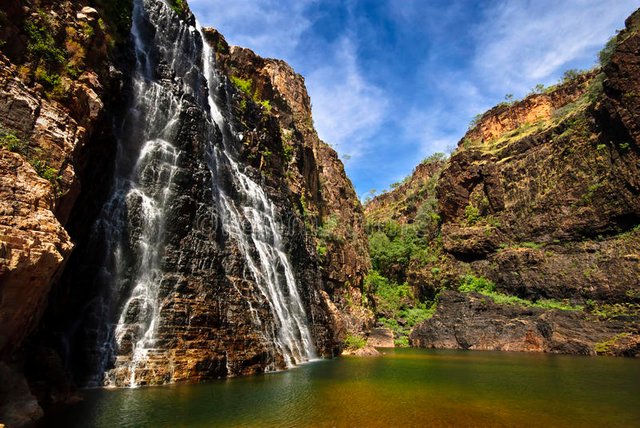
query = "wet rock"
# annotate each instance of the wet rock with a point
(314, 175)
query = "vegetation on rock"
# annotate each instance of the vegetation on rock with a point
(470, 283)
(354, 342)
(533, 210)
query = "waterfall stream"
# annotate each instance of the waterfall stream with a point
(147, 160)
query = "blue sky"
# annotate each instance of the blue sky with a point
(392, 81)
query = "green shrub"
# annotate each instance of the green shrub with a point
(354, 342)
(10, 142)
(246, 87)
(41, 43)
(570, 75)
(328, 228)
(475, 121)
(388, 255)
(436, 157)
(414, 316)
(472, 214)
(374, 281)
(178, 6)
(322, 250)
(396, 306)
(44, 170)
(47, 58)
(391, 298)
(529, 244)
(48, 79)
(401, 342)
(606, 345)
(243, 85)
(587, 197)
(118, 16)
(615, 310)
(554, 304)
(595, 89)
(469, 283)
(478, 284)
(505, 299)
(287, 150)
(243, 105)
(607, 52)
(538, 89)
(266, 104)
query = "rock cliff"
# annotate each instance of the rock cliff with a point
(67, 85)
(54, 102)
(539, 203)
(309, 168)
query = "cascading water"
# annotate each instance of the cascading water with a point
(293, 338)
(173, 68)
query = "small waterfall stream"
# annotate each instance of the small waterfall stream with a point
(147, 161)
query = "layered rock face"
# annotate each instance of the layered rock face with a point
(554, 200)
(53, 106)
(44, 138)
(311, 170)
(541, 198)
(474, 321)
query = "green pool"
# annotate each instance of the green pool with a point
(404, 387)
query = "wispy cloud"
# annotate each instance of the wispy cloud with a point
(522, 43)
(347, 109)
(517, 44)
(272, 28)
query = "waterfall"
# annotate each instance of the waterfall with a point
(174, 67)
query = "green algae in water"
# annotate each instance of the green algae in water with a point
(405, 387)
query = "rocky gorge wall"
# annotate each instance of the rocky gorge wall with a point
(63, 115)
(538, 216)
(54, 104)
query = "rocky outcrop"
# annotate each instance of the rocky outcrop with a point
(473, 321)
(381, 337)
(564, 187)
(403, 202)
(505, 118)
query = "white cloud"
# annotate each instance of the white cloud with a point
(270, 27)
(522, 43)
(346, 108)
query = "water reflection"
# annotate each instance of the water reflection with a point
(402, 388)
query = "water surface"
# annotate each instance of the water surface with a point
(405, 387)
